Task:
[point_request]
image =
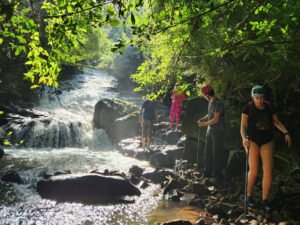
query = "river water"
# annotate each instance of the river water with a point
(21, 204)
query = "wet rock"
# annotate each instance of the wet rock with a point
(172, 137)
(166, 157)
(236, 161)
(12, 176)
(178, 222)
(1, 152)
(108, 110)
(193, 150)
(175, 184)
(124, 127)
(200, 222)
(159, 176)
(136, 170)
(86, 188)
(220, 208)
(199, 188)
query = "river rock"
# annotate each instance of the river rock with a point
(12, 176)
(108, 110)
(178, 222)
(86, 188)
(125, 127)
(167, 156)
(193, 110)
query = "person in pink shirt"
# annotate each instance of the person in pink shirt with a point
(177, 100)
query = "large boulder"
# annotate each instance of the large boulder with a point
(108, 110)
(193, 110)
(125, 127)
(86, 188)
(166, 157)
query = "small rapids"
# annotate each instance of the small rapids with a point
(64, 140)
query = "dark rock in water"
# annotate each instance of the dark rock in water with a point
(178, 222)
(172, 137)
(1, 153)
(12, 176)
(86, 188)
(159, 176)
(135, 170)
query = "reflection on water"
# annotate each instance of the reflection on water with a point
(22, 204)
(29, 208)
(169, 211)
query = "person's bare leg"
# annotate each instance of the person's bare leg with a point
(148, 141)
(253, 167)
(266, 154)
(144, 141)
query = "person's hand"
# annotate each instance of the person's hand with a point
(201, 123)
(288, 140)
(246, 143)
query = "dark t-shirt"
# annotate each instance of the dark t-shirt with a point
(216, 106)
(260, 121)
(148, 110)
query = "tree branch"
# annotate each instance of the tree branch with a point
(195, 16)
(77, 12)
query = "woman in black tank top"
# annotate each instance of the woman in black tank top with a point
(257, 124)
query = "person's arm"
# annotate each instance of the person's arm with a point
(216, 118)
(205, 118)
(244, 126)
(277, 123)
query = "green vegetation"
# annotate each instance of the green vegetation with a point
(232, 44)
(46, 33)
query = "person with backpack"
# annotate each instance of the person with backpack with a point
(257, 130)
(146, 119)
(214, 155)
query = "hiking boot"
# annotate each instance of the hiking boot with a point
(266, 206)
(251, 203)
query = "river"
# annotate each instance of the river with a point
(21, 204)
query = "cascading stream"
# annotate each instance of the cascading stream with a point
(61, 138)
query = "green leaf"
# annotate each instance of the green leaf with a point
(6, 142)
(114, 49)
(1, 41)
(10, 133)
(34, 86)
(115, 22)
(1, 112)
(132, 19)
(139, 3)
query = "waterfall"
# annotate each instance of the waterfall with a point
(66, 118)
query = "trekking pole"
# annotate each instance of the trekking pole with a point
(246, 180)
(198, 146)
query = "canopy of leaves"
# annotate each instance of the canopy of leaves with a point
(232, 44)
(46, 32)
